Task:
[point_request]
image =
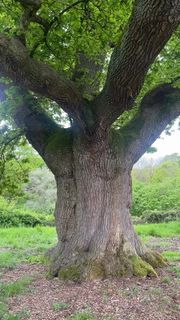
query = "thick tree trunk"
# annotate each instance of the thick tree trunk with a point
(96, 237)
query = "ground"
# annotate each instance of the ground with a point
(26, 291)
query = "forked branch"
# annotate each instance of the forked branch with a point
(16, 64)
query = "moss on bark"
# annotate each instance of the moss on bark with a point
(72, 272)
(154, 259)
(61, 139)
(118, 266)
(141, 268)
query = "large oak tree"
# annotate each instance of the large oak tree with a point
(85, 58)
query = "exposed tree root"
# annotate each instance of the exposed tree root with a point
(88, 268)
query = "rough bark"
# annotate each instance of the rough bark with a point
(91, 163)
(87, 73)
(96, 238)
(16, 64)
(151, 25)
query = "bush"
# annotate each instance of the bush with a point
(17, 218)
(157, 188)
(159, 216)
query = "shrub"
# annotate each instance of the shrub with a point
(17, 218)
(159, 216)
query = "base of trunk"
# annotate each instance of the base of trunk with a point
(109, 265)
(96, 237)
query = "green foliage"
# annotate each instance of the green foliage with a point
(17, 218)
(90, 26)
(16, 161)
(40, 191)
(157, 188)
(10, 219)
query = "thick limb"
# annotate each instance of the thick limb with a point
(16, 64)
(151, 25)
(43, 133)
(158, 108)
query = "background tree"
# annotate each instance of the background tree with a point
(157, 187)
(62, 52)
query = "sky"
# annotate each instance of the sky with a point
(167, 144)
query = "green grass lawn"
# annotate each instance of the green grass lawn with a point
(28, 245)
(162, 230)
(24, 244)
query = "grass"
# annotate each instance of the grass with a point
(59, 306)
(9, 290)
(82, 316)
(25, 244)
(172, 255)
(24, 237)
(29, 244)
(162, 230)
(17, 287)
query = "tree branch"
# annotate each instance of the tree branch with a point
(151, 25)
(41, 131)
(158, 108)
(37, 126)
(16, 64)
(87, 74)
(30, 8)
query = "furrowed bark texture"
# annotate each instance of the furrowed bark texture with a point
(92, 214)
(96, 238)
(151, 25)
(91, 163)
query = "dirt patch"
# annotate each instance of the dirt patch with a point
(122, 299)
(23, 270)
(113, 299)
